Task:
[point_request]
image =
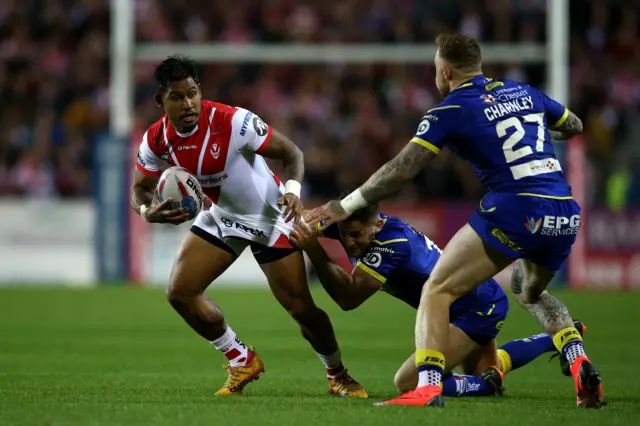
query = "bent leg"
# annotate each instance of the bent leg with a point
(465, 263)
(197, 264)
(288, 281)
(462, 350)
(201, 259)
(529, 284)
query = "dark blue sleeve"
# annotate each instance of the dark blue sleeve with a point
(382, 259)
(555, 112)
(436, 126)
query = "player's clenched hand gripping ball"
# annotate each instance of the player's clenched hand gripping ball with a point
(178, 197)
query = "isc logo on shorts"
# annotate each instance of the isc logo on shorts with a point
(554, 226)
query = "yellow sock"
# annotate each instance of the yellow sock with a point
(430, 367)
(426, 357)
(565, 336)
(505, 361)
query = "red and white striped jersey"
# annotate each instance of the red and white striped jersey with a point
(222, 153)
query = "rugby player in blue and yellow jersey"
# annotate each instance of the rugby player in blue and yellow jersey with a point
(503, 129)
(389, 255)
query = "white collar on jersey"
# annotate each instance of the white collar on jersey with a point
(186, 135)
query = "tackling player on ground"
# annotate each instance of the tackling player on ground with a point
(223, 147)
(390, 255)
(504, 130)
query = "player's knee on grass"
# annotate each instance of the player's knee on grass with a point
(405, 380)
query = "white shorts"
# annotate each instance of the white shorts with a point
(237, 232)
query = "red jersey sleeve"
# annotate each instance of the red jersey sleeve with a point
(149, 161)
(249, 131)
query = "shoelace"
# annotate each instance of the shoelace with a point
(233, 379)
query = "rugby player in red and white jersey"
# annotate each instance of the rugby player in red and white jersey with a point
(223, 147)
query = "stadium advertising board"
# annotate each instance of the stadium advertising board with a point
(612, 255)
(47, 242)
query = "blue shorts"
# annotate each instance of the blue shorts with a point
(538, 229)
(483, 324)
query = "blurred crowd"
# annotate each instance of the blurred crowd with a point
(348, 119)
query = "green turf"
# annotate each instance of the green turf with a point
(114, 356)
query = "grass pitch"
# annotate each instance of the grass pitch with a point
(121, 356)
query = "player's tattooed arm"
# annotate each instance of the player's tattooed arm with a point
(281, 148)
(571, 127)
(551, 313)
(391, 177)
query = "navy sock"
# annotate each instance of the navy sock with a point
(457, 385)
(522, 351)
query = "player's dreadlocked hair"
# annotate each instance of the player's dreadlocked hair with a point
(460, 51)
(175, 68)
(365, 214)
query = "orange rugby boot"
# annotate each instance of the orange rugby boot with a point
(588, 384)
(425, 396)
(241, 376)
(347, 387)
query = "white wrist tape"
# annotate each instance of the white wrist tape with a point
(143, 212)
(292, 187)
(353, 201)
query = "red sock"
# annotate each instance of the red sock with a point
(336, 371)
(232, 347)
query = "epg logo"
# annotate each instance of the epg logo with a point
(373, 259)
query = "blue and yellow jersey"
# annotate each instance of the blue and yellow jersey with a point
(501, 128)
(402, 259)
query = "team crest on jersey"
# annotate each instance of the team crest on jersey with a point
(260, 126)
(215, 151)
(488, 99)
(533, 225)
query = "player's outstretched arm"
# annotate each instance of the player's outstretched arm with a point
(569, 128)
(388, 180)
(348, 291)
(391, 177)
(281, 148)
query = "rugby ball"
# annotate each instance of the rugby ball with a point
(183, 189)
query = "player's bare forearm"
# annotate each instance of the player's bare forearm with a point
(336, 281)
(142, 190)
(551, 313)
(140, 196)
(571, 127)
(281, 148)
(391, 177)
